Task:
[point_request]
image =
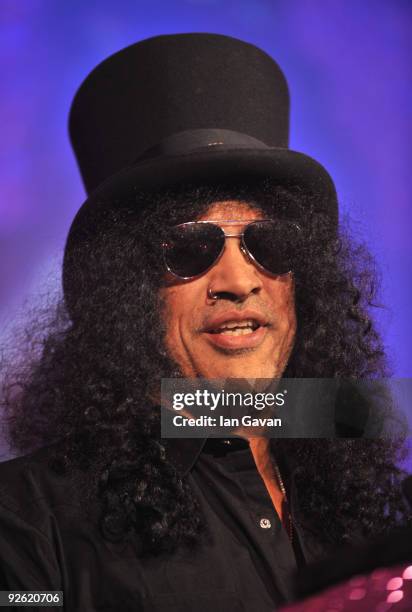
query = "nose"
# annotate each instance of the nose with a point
(234, 277)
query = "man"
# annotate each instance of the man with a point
(206, 249)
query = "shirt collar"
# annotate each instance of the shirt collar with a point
(183, 452)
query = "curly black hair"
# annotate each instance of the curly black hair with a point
(93, 371)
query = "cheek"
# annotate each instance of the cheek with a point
(178, 312)
(171, 314)
(290, 309)
(283, 298)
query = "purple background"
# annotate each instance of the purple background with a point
(347, 66)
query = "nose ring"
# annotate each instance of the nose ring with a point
(211, 294)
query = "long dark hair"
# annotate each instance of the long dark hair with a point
(92, 374)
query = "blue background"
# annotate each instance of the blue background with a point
(348, 67)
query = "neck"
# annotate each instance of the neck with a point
(260, 450)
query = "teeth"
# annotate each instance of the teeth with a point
(233, 324)
(237, 328)
(237, 331)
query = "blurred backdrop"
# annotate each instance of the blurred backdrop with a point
(348, 67)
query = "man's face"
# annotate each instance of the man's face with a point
(197, 334)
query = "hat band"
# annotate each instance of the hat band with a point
(195, 140)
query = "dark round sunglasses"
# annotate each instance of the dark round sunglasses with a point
(192, 248)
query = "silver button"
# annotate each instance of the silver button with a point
(265, 523)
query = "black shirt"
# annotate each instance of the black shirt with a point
(246, 565)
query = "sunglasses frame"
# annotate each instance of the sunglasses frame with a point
(242, 247)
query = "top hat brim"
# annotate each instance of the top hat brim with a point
(211, 166)
(283, 166)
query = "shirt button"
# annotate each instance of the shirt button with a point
(265, 523)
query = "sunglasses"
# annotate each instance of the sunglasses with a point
(192, 248)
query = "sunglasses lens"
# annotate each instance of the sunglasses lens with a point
(193, 248)
(272, 244)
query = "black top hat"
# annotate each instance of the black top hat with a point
(184, 108)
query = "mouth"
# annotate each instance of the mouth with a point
(236, 328)
(236, 333)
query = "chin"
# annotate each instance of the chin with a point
(249, 374)
(240, 370)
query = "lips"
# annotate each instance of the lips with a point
(236, 330)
